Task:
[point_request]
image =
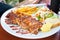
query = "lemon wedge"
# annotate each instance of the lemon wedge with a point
(46, 27)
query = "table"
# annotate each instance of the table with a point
(6, 36)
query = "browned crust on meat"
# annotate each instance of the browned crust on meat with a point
(25, 21)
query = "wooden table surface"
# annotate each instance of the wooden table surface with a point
(6, 36)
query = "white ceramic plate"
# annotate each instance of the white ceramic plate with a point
(27, 36)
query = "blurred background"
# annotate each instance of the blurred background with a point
(15, 3)
(23, 2)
